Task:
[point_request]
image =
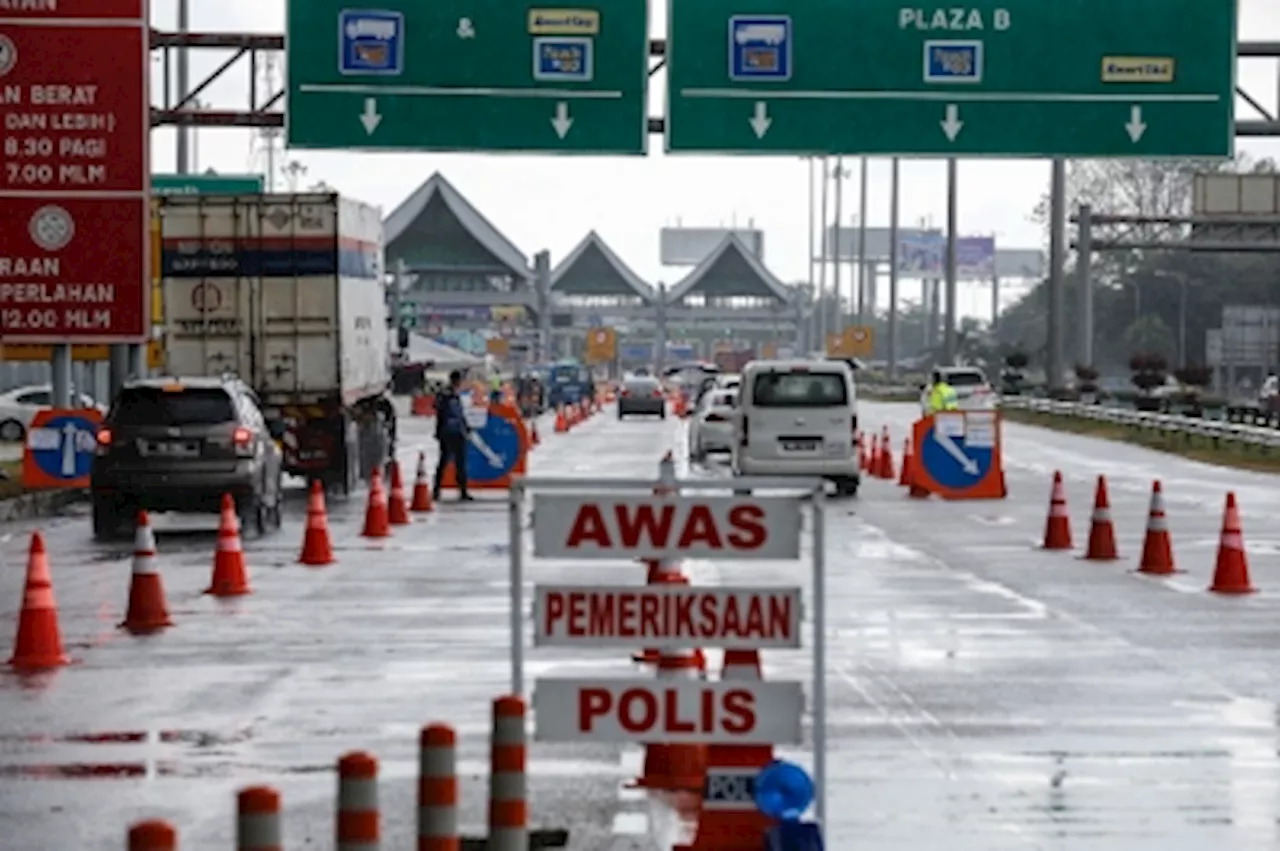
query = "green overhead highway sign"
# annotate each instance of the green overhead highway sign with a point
(1014, 78)
(207, 184)
(468, 75)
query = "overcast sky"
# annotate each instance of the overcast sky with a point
(551, 202)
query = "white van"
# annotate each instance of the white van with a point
(797, 418)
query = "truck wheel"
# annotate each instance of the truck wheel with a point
(107, 517)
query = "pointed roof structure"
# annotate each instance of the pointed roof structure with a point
(593, 268)
(436, 212)
(731, 269)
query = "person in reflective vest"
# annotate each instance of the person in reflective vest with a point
(495, 387)
(942, 396)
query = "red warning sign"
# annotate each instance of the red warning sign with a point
(576, 526)
(674, 711)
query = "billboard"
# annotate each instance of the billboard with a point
(1238, 196)
(921, 254)
(74, 211)
(975, 258)
(681, 246)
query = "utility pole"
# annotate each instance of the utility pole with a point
(866, 288)
(837, 324)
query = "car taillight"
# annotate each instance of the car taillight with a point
(243, 440)
(104, 441)
(657, 394)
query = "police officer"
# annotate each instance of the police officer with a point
(451, 433)
(942, 396)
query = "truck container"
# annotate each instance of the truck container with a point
(286, 292)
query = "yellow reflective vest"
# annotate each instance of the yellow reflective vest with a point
(943, 398)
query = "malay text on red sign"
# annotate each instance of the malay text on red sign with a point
(76, 111)
(595, 616)
(600, 526)
(604, 710)
(134, 10)
(67, 272)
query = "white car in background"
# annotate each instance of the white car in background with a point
(18, 407)
(973, 391)
(711, 426)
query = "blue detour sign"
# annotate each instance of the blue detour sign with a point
(497, 449)
(957, 455)
(60, 448)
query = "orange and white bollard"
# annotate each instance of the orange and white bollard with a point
(508, 809)
(357, 824)
(438, 789)
(152, 835)
(258, 820)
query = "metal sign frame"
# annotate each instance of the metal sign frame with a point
(810, 490)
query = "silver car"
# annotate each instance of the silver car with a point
(642, 395)
(711, 427)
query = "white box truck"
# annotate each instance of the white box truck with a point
(286, 292)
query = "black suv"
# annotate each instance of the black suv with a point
(179, 444)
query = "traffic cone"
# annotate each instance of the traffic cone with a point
(317, 549)
(886, 458)
(534, 440)
(147, 611)
(230, 578)
(904, 477)
(873, 455)
(562, 424)
(1102, 532)
(736, 826)
(397, 509)
(38, 643)
(675, 767)
(1157, 549)
(661, 571)
(1231, 573)
(422, 503)
(377, 523)
(1057, 526)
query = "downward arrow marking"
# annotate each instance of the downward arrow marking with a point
(562, 123)
(951, 124)
(1135, 127)
(760, 121)
(370, 117)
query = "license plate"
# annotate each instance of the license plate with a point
(800, 445)
(173, 450)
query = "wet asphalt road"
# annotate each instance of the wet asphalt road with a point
(982, 694)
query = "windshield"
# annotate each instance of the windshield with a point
(965, 378)
(799, 390)
(190, 406)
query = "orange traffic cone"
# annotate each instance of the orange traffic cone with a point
(1231, 573)
(904, 477)
(886, 458)
(534, 440)
(38, 643)
(1102, 532)
(1157, 548)
(397, 509)
(317, 549)
(147, 610)
(873, 455)
(737, 826)
(675, 767)
(422, 488)
(230, 577)
(662, 572)
(377, 522)
(1057, 526)
(562, 424)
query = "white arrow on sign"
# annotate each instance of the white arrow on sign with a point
(760, 120)
(952, 125)
(69, 433)
(1135, 126)
(949, 446)
(370, 117)
(562, 122)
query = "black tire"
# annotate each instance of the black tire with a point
(12, 431)
(847, 486)
(662, 415)
(108, 518)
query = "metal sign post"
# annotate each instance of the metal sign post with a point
(624, 520)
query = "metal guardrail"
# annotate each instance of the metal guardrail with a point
(1263, 437)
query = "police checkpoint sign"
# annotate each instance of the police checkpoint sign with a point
(595, 526)
(599, 616)
(672, 712)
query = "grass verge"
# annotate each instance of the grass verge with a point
(1198, 448)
